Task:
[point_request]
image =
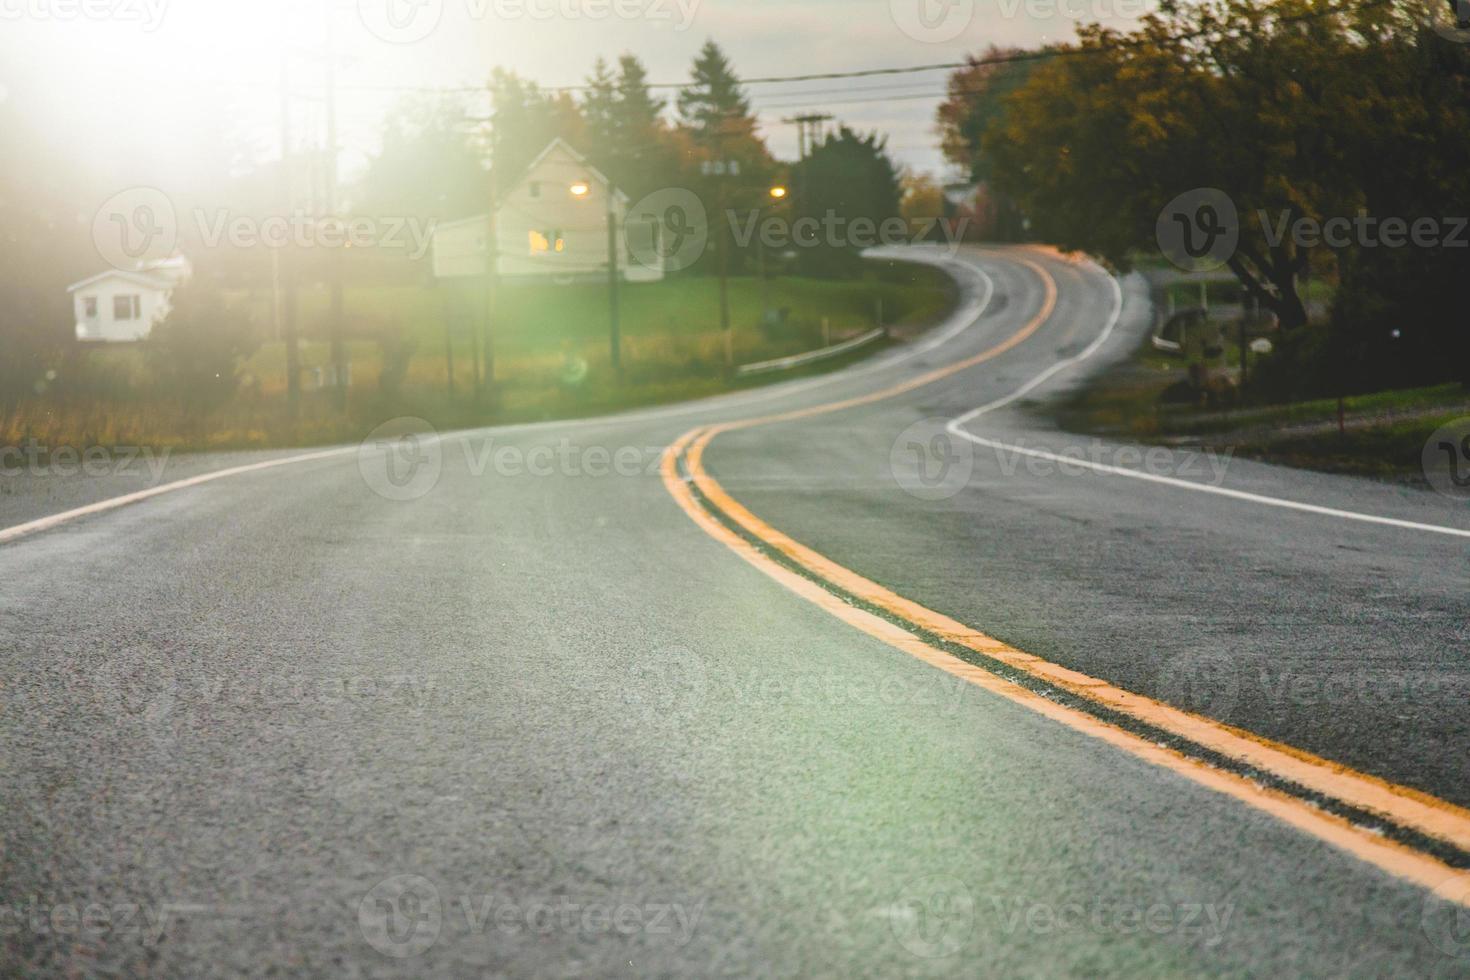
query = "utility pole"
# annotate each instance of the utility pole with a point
(286, 271)
(808, 130)
(724, 258)
(334, 320)
(492, 272)
(614, 321)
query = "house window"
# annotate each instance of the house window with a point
(547, 241)
(534, 188)
(127, 307)
(89, 307)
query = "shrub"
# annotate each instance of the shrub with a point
(195, 352)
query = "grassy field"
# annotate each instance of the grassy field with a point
(550, 345)
(1383, 433)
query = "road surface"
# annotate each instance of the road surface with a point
(876, 686)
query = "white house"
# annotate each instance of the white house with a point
(121, 305)
(552, 225)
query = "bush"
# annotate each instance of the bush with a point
(195, 352)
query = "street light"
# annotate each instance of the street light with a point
(777, 193)
(579, 190)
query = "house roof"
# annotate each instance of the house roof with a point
(148, 280)
(162, 274)
(596, 174)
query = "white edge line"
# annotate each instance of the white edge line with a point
(956, 427)
(964, 319)
(46, 523)
(809, 357)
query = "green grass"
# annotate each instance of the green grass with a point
(1384, 437)
(673, 349)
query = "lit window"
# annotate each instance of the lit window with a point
(548, 241)
(127, 308)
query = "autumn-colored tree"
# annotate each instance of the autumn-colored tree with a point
(1294, 110)
(921, 202)
(526, 119)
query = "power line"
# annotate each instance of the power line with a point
(1012, 57)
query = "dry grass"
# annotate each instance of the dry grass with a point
(671, 349)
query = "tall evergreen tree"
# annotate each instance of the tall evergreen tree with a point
(714, 105)
(600, 109)
(850, 177)
(637, 109)
(719, 129)
(645, 156)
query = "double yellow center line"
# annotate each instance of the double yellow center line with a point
(1419, 837)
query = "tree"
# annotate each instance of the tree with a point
(526, 120)
(430, 165)
(974, 108)
(626, 135)
(637, 110)
(1254, 97)
(921, 202)
(975, 105)
(196, 351)
(1298, 113)
(848, 187)
(647, 155)
(719, 131)
(599, 110)
(42, 248)
(714, 107)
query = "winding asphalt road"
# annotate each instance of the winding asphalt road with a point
(498, 706)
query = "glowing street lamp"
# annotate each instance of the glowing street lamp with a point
(778, 192)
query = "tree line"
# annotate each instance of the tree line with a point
(436, 161)
(1354, 116)
(643, 142)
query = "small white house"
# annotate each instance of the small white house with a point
(120, 305)
(552, 225)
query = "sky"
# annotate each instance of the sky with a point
(133, 83)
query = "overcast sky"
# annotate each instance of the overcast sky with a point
(126, 78)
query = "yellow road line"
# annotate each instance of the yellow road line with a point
(1400, 804)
